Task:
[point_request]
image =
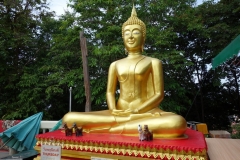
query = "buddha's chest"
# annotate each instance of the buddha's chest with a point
(127, 69)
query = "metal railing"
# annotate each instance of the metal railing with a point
(47, 125)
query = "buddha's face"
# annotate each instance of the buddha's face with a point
(133, 38)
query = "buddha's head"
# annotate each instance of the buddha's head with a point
(134, 33)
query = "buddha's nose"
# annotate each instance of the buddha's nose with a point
(131, 35)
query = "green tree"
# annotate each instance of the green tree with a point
(217, 100)
(23, 45)
(63, 68)
(41, 56)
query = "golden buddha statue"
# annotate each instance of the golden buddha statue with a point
(141, 91)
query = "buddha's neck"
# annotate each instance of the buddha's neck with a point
(133, 55)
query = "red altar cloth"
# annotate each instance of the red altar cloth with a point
(192, 148)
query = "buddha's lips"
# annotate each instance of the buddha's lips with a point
(131, 42)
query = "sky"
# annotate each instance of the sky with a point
(60, 6)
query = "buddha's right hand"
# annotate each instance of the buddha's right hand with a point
(123, 113)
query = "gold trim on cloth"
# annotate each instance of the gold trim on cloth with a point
(87, 149)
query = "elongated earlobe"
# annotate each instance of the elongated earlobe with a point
(126, 52)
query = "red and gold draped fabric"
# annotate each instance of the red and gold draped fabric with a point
(121, 147)
(4, 125)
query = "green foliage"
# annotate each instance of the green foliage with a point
(23, 43)
(221, 24)
(40, 57)
(235, 131)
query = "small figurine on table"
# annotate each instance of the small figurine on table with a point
(148, 136)
(78, 130)
(68, 130)
(141, 135)
(144, 134)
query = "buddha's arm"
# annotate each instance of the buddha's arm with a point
(111, 86)
(157, 98)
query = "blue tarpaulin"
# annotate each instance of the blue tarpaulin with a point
(228, 52)
(21, 137)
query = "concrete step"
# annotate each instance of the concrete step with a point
(4, 153)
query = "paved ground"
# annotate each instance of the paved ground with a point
(4, 154)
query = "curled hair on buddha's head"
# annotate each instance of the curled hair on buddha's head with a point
(134, 20)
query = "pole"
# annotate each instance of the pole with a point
(83, 45)
(70, 99)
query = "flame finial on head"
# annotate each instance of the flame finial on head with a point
(134, 13)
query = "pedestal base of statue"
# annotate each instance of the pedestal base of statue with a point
(125, 147)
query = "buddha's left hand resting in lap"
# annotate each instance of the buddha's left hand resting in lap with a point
(141, 92)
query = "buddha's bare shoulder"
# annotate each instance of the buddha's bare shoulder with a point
(155, 60)
(113, 63)
(123, 60)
